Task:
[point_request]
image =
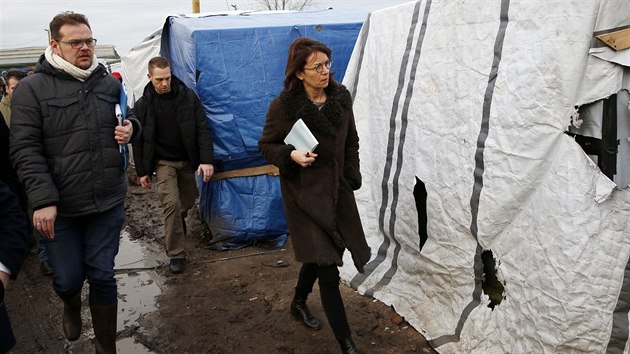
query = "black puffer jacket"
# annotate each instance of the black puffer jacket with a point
(62, 140)
(192, 122)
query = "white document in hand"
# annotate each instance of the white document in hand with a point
(119, 117)
(301, 137)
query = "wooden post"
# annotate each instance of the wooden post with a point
(195, 6)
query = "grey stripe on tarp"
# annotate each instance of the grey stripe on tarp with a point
(382, 250)
(476, 300)
(478, 175)
(619, 331)
(485, 120)
(361, 43)
(404, 122)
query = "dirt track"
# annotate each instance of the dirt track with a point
(218, 305)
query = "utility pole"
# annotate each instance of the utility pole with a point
(195, 6)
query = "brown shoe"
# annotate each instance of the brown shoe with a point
(177, 265)
(45, 268)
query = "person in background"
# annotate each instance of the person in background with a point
(117, 75)
(3, 85)
(13, 245)
(176, 141)
(13, 77)
(77, 190)
(317, 188)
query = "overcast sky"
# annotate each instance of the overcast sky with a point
(125, 23)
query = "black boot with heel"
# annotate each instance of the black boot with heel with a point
(300, 311)
(347, 346)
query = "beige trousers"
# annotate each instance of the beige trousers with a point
(177, 189)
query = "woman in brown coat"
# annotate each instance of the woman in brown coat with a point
(317, 187)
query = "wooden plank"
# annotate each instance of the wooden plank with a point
(618, 40)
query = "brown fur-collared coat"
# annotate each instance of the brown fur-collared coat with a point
(318, 200)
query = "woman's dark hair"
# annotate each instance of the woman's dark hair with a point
(299, 51)
(66, 18)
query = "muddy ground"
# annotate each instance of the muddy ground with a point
(225, 302)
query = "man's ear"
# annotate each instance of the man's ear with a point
(55, 47)
(149, 76)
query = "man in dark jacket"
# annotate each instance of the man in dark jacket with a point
(65, 146)
(175, 142)
(13, 242)
(13, 78)
(9, 177)
(15, 231)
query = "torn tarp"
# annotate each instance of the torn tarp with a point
(473, 98)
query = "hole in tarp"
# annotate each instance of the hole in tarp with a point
(602, 129)
(420, 196)
(491, 285)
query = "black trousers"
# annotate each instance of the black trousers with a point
(7, 341)
(332, 302)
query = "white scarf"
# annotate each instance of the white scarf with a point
(60, 63)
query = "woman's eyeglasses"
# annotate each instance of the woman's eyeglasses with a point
(320, 67)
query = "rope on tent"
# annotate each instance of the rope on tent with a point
(247, 172)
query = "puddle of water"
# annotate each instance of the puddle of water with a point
(129, 345)
(136, 296)
(133, 255)
(138, 286)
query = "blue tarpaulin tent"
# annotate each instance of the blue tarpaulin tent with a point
(236, 65)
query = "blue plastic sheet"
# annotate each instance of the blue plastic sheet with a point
(243, 211)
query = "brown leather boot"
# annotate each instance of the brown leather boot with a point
(104, 323)
(72, 317)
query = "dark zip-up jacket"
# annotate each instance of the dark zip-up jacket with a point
(13, 236)
(191, 120)
(62, 140)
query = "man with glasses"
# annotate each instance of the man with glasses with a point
(65, 146)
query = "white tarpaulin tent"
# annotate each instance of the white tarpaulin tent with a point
(473, 98)
(134, 64)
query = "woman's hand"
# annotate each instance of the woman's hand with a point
(303, 158)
